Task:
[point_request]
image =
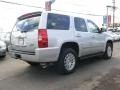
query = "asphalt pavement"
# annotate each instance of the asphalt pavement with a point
(91, 74)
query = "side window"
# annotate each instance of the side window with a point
(92, 27)
(56, 21)
(80, 24)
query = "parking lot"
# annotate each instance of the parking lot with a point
(91, 74)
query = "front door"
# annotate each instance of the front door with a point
(98, 38)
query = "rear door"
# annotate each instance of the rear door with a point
(58, 29)
(24, 36)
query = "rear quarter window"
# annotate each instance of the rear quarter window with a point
(59, 22)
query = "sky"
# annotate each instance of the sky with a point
(9, 12)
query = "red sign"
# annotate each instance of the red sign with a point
(48, 6)
(109, 19)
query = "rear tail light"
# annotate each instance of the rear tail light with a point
(42, 38)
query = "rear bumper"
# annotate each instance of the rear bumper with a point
(40, 55)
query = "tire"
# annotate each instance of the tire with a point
(108, 51)
(3, 56)
(65, 64)
(33, 63)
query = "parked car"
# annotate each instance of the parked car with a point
(5, 36)
(117, 31)
(115, 36)
(2, 49)
(45, 37)
(112, 30)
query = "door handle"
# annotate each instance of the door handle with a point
(78, 35)
(93, 36)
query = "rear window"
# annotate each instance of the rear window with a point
(28, 24)
(59, 22)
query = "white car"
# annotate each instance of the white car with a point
(6, 38)
(2, 49)
(45, 37)
(113, 35)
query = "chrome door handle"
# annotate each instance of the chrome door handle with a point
(78, 35)
(93, 36)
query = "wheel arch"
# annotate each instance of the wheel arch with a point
(111, 42)
(72, 45)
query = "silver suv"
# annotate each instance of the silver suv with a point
(45, 37)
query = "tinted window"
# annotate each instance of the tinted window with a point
(56, 21)
(80, 24)
(28, 24)
(92, 27)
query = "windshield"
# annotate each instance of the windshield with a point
(28, 24)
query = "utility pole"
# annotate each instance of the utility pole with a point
(48, 4)
(107, 19)
(114, 14)
(107, 23)
(113, 8)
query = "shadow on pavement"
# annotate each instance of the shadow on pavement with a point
(38, 73)
(35, 78)
(2, 59)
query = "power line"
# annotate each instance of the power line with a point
(79, 13)
(20, 4)
(3, 1)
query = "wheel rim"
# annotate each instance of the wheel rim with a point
(109, 51)
(69, 62)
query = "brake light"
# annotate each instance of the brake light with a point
(42, 38)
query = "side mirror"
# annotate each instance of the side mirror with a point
(100, 30)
